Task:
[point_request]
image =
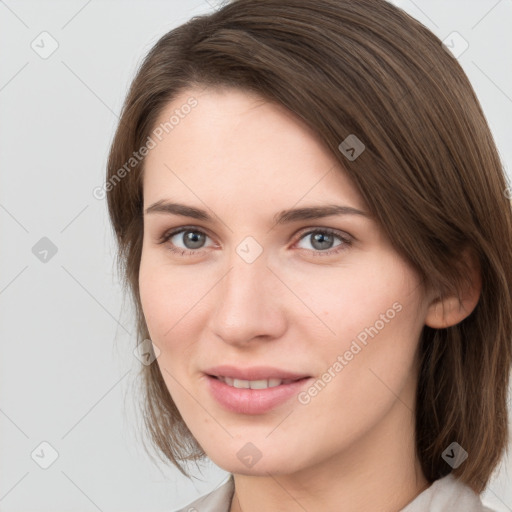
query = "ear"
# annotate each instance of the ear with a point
(450, 310)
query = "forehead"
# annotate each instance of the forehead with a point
(236, 146)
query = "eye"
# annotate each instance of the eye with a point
(192, 239)
(322, 240)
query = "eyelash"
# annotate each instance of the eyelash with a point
(346, 242)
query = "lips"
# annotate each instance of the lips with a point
(253, 401)
(254, 373)
(253, 390)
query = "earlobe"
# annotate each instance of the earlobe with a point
(450, 310)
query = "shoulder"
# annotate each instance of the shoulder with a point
(218, 500)
(447, 494)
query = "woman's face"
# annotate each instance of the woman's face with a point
(323, 297)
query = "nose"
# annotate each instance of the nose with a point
(250, 303)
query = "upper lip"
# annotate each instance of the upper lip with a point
(254, 373)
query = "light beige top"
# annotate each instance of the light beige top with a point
(445, 495)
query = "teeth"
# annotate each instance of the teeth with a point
(253, 384)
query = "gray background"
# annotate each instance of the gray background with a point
(67, 367)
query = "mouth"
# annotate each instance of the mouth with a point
(262, 390)
(254, 373)
(255, 384)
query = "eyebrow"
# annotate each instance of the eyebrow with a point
(283, 217)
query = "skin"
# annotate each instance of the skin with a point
(244, 160)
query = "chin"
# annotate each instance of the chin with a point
(262, 466)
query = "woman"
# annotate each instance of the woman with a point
(313, 224)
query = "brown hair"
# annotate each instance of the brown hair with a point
(430, 174)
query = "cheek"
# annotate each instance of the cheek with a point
(167, 303)
(367, 291)
(175, 306)
(169, 297)
(372, 322)
(378, 356)
(156, 300)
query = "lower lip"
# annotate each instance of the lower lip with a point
(253, 401)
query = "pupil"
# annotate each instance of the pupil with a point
(193, 240)
(321, 238)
